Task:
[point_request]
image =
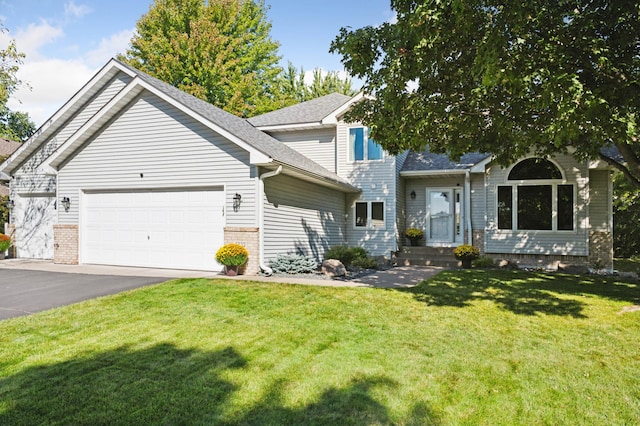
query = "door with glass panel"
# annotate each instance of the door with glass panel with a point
(445, 223)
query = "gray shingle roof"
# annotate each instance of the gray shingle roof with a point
(243, 130)
(427, 161)
(305, 112)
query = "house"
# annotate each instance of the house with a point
(7, 148)
(132, 171)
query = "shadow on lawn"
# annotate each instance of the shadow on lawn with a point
(166, 385)
(522, 292)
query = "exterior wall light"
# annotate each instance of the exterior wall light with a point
(236, 202)
(66, 203)
(413, 195)
(10, 204)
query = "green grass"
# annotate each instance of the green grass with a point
(630, 264)
(466, 347)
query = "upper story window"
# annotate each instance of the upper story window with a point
(536, 198)
(362, 147)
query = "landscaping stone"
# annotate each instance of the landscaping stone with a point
(507, 264)
(333, 268)
(569, 268)
(628, 275)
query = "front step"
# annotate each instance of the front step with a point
(427, 256)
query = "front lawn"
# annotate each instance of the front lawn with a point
(628, 264)
(466, 347)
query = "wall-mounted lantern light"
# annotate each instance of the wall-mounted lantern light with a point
(413, 195)
(236, 202)
(66, 203)
(10, 204)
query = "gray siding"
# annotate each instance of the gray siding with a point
(317, 145)
(417, 209)
(300, 217)
(599, 200)
(540, 242)
(478, 201)
(154, 145)
(377, 179)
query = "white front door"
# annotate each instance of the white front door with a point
(445, 224)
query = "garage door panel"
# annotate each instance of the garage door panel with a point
(173, 229)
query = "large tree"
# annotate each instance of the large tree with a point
(294, 89)
(217, 50)
(14, 125)
(510, 78)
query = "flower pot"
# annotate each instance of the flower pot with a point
(414, 242)
(466, 263)
(231, 271)
(1, 255)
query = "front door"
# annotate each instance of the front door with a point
(445, 224)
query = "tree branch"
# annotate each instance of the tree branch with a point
(621, 167)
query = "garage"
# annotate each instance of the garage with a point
(36, 215)
(176, 229)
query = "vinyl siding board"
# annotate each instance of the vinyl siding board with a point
(478, 201)
(317, 145)
(417, 209)
(599, 200)
(152, 145)
(300, 217)
(540, 242)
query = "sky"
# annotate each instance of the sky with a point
(67, 41)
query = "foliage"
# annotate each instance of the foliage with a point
(293, 264)
(484, 262)
(14, 125)
(509, 78)
(4, 212)
(469, 347)
(5, 243)
(466, 252)
(631, 264)
(219, 51)
(364, 263)
(232, 255)
(345, 254)
(414, 233)
(626, 218)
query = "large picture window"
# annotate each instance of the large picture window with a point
(362, 147)
(536, 199)
(369, 214)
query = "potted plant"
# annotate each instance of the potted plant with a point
(5, 243)
(466, 253)
(232, 256)
(414, 235)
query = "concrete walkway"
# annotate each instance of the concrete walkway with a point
(398, 277)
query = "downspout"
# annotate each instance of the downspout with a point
(467, 205)
(263, 267)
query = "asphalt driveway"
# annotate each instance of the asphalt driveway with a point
(23, 292)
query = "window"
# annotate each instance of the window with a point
(369, 214)
(544, 203)
(361, 147)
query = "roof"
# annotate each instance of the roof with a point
(311, 111)
(426, 161)
(8, 147)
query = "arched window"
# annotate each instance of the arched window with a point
(536, 199)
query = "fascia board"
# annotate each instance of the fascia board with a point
(418, 173)
(335, 115)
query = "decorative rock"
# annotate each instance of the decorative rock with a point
(333, 268)
(508, 265)
(628, 275)
(568, 268)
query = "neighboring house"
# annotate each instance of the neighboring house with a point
(7, 148)
(132, 171)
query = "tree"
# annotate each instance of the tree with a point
(14, 125)
(217, 50)
(626, 218)
(294, 89)
(508, 78)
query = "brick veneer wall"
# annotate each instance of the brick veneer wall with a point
(250, 239)
(601, 249)
(10, 230)
(65, 244)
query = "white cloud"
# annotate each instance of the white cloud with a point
(109, 48)
(30, 40)
(72, 10)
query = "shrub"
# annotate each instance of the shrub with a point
(414, 233)
(293, 264)
(466, 252)
(5, 243)
(365, 263)
(232, 255)
(484, 262)
(345, 254)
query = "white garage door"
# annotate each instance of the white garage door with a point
(35, 216)
(166, 229)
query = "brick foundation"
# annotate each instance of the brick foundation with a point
(601, 249)
(65, 244)
(250, 239)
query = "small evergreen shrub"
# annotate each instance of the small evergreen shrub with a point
(232, 255)
(466, 252)
(365, 263)
(484, 262)
(293, 264)
(345, 254)
(5, 243)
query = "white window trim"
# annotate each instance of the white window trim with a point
(370, 224)
(350, 155)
